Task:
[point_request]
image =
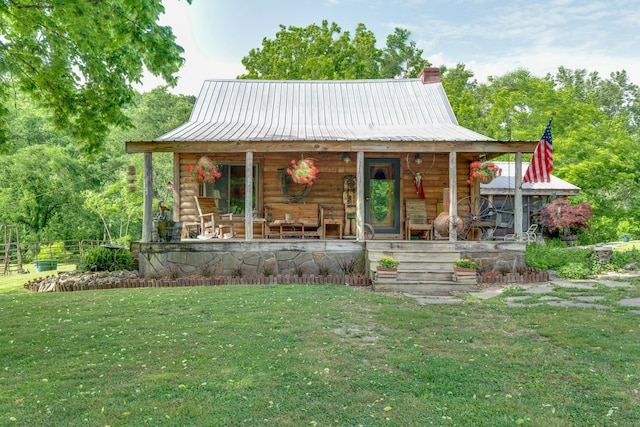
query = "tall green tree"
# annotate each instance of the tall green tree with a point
(45, 183)
(595, 133)
(38, 185)
(463, 94)
(78, 60)
(324, 52)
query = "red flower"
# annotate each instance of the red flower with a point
(303, 171)
(203, 171)
(480, 170)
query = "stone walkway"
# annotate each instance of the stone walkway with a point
(575, 300)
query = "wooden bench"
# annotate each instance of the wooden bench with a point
(305, 219)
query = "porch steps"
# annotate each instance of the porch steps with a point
(426, 267)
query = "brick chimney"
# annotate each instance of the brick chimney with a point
(429, 75)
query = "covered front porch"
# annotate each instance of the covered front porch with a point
(394, 195)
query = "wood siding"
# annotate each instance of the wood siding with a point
(327, 190)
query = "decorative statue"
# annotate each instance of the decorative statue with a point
(418, 176)
(349, 201)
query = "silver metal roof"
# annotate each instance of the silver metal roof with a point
(333, 110)
(505, 184)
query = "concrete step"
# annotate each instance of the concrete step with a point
(424, 288)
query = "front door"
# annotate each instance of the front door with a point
(382, 195)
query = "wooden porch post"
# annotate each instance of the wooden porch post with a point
(517, 198)
(360, 196)
(453, 197)
(147, 206)
(248, 196)
(175, 191)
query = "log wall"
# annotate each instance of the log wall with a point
(327, 190)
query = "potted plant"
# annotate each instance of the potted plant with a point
(465, 265)
(205, 170)
(387, 263)
(387, 269)
(464, 271)
(564, 220)
(303, 171)
(484, 172)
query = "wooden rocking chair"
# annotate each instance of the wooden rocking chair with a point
(416, 218)
(207, 211)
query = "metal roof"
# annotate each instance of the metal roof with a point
(332, 110)
(505, 184)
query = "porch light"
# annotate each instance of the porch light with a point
(417, 159)
(346, 157)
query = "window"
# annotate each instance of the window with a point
(228, 190)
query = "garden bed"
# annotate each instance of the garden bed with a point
(530, 276)
(74, 281)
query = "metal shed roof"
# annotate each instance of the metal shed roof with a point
(505, 184)
(333, 110)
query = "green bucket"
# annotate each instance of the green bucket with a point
(46, 265)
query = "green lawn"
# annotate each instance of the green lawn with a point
(310, 356)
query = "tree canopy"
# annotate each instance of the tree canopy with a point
(79, 59)
(596, 134)
(326, 53)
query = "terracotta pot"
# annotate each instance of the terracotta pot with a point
(463, 270)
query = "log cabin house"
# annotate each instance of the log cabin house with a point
(396, 141)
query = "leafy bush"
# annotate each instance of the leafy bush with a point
(553, 255)
(54, 250)
(621, 259)
(574, 271)
(577, 263)
(105, 259)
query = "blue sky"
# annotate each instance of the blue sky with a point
(491, 37)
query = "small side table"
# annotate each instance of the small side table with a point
(189, 229)
(337, 222)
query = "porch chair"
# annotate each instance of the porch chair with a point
(528, 236)
(207, 209)
(416, 218)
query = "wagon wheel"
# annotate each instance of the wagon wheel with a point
(369, 232)
(479, 217)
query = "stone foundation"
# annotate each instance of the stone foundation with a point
(292, 257)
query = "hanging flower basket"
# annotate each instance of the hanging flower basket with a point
(484, 172)
(204, 171)
(303, 171)
(485, 179)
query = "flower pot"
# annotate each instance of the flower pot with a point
(486, 179)
(464, 275)
(385, 274)
(570, 239)
(46, 265)
(464, 270)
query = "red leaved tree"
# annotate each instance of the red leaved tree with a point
(562, 218)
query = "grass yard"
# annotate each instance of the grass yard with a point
(310, 356)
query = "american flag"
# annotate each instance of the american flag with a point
(541, 165)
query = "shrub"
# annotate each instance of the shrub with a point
(574, 271)
(560, 217)
(620, 260)
(105, 259)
